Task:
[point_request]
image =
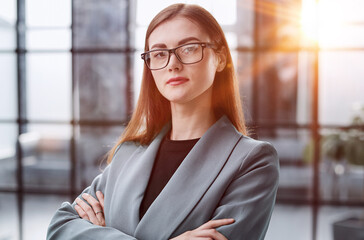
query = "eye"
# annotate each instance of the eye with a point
(159, 54)
(189, 49)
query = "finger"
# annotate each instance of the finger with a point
(217, 223)
(93, 202)
(89, 211)
(97, 208)
(203, 238)
(100, 197)
(81, 213)
(211, 233)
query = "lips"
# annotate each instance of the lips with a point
(177, 81)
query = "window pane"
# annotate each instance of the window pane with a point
(305, 79)
(284, 87)
(140, 38)
(341, 23)
(341, 86)
(243, 68)
(93, 143)
(101, 80)
(137, 75)
(63, 131)
(49, 86)
(220, 8)
(8, 13)
(9, 225)
(342, 171)
(278, 23)
(54, 39)
(38, 212)
(244, 27)
(231, 39)
(48, 13)
(8, 89)
(46, 157)
(100, 24)
(277, 92)
(299, 229)
(349, 36)
(8, 38)
(146, 10)
(294, 149)
(8, 161)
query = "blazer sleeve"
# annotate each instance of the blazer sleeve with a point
(250, 197)
(66, 223)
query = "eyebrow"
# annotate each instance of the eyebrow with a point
(185, 40)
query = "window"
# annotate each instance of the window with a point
(71, 73)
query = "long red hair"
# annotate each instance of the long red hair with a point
(153, 110)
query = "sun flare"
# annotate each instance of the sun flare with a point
(322, 21)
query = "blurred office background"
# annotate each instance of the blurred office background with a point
(69, 78)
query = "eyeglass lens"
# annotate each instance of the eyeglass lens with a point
(187, 54)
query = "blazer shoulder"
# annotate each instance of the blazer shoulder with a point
(124, 149)
(249, 145)
(245, 145)
(256, 152)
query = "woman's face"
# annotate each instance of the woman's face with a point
(177, 82)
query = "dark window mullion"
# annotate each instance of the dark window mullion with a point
(316, 137)
(129, 60)
(255, 77)
(73, 152)
(21, 96)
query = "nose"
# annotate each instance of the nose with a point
(174, 63)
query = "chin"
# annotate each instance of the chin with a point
(177, 99)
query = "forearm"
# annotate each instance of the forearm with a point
(66, 224)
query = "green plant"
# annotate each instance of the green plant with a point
(344, 144)
(354, 147)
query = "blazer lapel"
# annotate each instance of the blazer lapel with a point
(134, 177)
(189, 183)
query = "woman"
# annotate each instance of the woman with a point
(184, 167)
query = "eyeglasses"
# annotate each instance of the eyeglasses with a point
(188, 53)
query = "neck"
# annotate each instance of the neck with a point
(190, 122)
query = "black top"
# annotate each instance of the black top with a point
(170, 155)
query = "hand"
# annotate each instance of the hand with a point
(206, 231)
(95, 213)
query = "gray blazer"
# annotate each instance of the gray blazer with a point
(225, 175)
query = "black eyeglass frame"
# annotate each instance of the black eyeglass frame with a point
(173, 50)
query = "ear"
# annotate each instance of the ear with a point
(221, 57)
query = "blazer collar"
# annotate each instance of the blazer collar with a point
(190, 181)
(130, 176)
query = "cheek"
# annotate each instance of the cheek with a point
(210, 77)
(208, 70)
(156, 76)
